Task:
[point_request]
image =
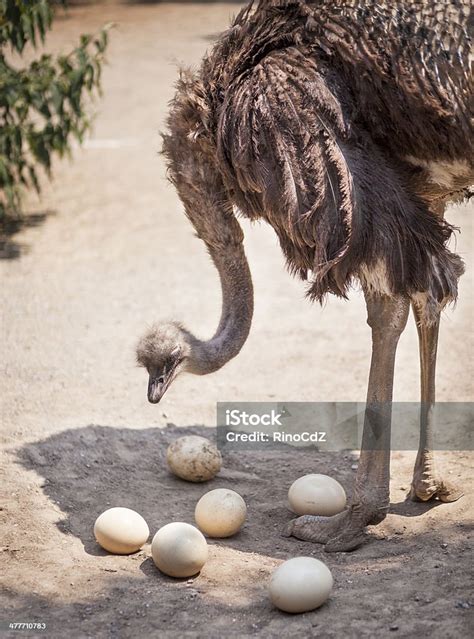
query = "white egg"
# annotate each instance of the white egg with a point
(121, 531)
(179, 549)
(220, 512)
(300, 584)
(194, 458)
(316, 495)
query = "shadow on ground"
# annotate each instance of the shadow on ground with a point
(131, 607)
(87, 470)
(410, 508)
(10, 248)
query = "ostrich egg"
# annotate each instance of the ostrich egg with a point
(300, 584)
(179, 549)
(220, 512)
(121, 531)
(194, 458)
(316, 495)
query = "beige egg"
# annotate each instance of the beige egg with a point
(179, 549)
(316, 495)
(194, 458)
(300, 584)
(220, 512)
(121, 531)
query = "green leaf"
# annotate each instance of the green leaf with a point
(42, 102)
(28, 28)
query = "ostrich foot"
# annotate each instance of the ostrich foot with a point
(315, 528)
(342, 532)
(427, 486)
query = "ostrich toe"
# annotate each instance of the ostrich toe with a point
(429, 487)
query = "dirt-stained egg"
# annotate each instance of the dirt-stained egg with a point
(220, 513)
(316, 495)
(121, 531)
(194, 458)
(179, 549)
(300, 584)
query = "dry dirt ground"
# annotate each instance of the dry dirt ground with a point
(108, 250)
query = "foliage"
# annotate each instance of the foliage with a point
(42, 104)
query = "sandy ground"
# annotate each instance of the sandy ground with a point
(107, 251)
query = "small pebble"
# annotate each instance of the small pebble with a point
(444, 546)
(394, 626)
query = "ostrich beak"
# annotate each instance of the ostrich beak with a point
(156, 389)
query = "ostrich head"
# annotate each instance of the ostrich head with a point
(163, 351)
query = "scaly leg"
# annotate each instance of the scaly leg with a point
(427, 483)
(387, 316)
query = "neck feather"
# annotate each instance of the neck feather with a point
(236, 317)
(192, 168)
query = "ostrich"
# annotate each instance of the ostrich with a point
(345, 125)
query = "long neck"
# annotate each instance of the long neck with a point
(237, 309)
(192, 167)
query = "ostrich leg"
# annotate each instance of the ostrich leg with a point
(426, 482)
(387, 317)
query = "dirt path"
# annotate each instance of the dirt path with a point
(78, 434)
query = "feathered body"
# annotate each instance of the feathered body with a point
(346, 125)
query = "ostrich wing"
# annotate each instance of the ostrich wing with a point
(336, 202)
(280, 139)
